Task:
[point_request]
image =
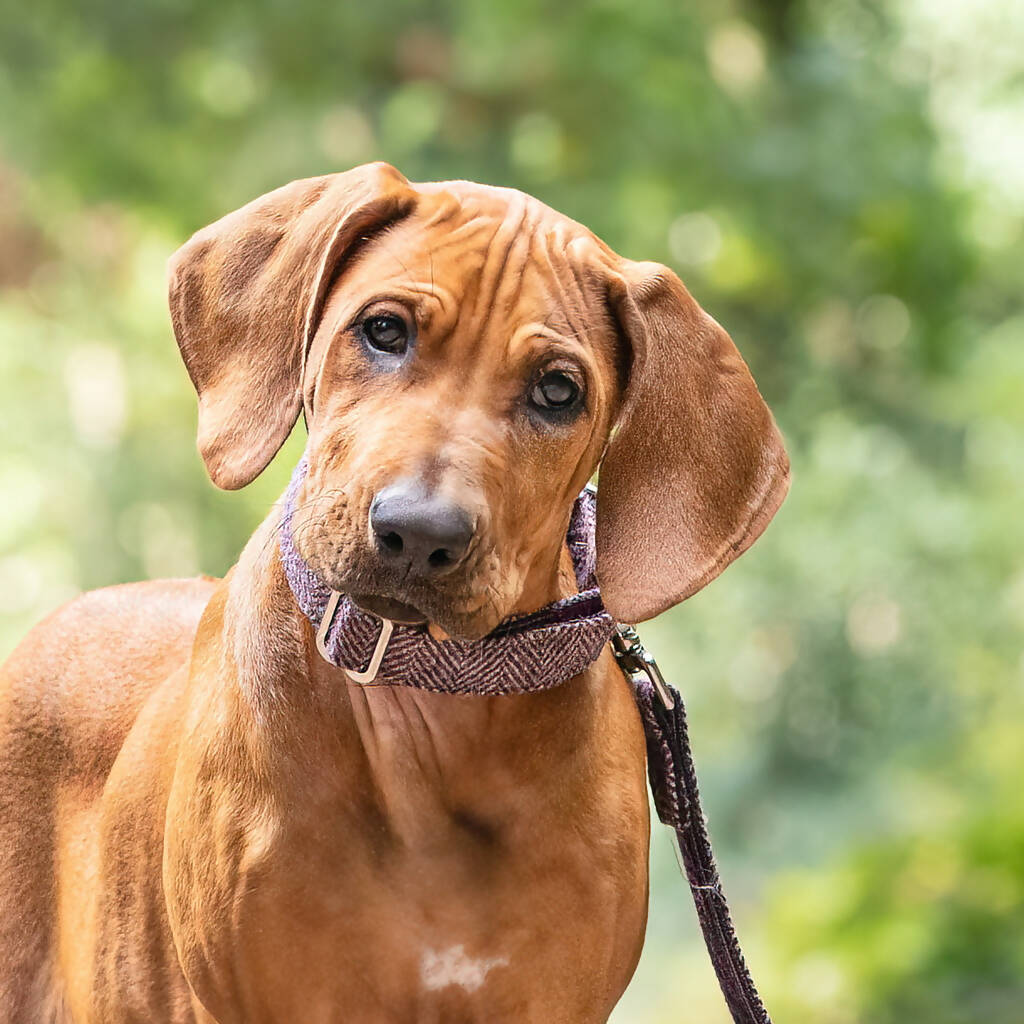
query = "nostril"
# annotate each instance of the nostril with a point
(391, 542)
(440, 558)
(414, 528)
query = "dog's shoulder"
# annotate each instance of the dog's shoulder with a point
(77, 681)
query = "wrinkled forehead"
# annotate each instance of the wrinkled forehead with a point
(477, 254)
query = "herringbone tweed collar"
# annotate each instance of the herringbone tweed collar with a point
(523, 654)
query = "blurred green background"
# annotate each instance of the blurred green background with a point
(841, 183)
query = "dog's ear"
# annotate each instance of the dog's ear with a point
(246, 294)
(696, 467)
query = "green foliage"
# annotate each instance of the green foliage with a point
(813, 172)
(916, 928)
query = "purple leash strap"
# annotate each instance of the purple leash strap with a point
(534, 652)
(673, 779)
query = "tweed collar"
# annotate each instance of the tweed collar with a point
(523, 654)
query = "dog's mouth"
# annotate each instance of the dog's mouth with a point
(464, 609)
(389, 608)
(456, 621)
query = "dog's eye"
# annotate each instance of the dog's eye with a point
(555, 390)
(386, 333)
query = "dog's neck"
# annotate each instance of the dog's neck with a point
(423, 753)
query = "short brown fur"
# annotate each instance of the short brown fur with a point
(203, 821)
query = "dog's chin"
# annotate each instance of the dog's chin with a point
(468, 626)
(458, 625)
(415, 604)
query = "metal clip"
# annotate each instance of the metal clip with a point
(386, 629)
(634, 658)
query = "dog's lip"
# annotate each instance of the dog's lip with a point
(389, 608)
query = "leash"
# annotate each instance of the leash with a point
(529, 653)
(673, 779)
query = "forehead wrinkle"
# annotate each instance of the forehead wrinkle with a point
(386, 274)
(379, 287)
(443, 208)
(420, 290)
(528, 349)
(527, 339)
(500, 246)
(383, 243)
(470, 238)
(449, 260)
(410, 246)
(572, 306)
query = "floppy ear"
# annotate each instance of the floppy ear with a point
(697, 467)
(246, 295)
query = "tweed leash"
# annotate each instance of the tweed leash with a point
(534, 652)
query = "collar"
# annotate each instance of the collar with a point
(523, 654)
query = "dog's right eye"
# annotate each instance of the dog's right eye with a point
(386, 333)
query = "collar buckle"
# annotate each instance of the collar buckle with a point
(369, 674)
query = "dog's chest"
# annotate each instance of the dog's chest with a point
(334, 906)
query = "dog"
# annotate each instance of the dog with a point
(202, 820)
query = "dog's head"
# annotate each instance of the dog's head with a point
(466, 358)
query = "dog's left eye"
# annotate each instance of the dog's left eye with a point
(555, 391)
(386, 333)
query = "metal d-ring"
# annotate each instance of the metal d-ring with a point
(386, 629)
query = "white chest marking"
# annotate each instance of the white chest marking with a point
(453, 967)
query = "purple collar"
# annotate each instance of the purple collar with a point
(523, 654)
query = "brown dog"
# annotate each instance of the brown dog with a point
(201, 819)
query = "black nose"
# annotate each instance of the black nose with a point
(425, 532)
